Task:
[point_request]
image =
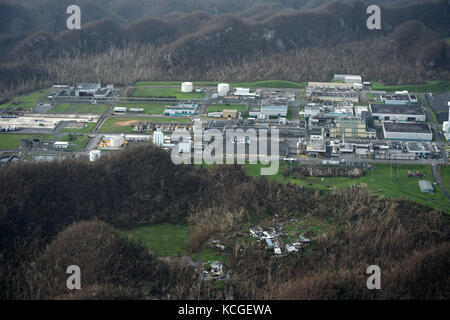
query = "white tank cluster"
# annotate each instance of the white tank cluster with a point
(223, 89)
(187, 87)
(446, 124)
(94, 155)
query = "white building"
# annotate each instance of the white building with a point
(158, 137)
(223, 89)
(395, 112)
(94, 155)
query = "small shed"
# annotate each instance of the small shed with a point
(426, 186)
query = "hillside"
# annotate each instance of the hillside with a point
(53, 214)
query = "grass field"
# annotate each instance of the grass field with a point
(12, 140)
(253, 84)
(430, 86)
(77, 141)
(444, 172)
(89, 127)
(447, 40)
(290, 113)
(146, 92)
(382, 181)
(221, 107)
(79, 108)
(149, 108)
(28, 100)
(163, 239)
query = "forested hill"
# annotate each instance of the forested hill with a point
(52, 214)
(206, 40)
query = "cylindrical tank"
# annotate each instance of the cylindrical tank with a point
(223, 89)
(187, 87)
(116, 141)
(94, 155)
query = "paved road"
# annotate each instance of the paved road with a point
(437, 178)
(433, 125)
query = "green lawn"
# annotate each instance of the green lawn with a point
(163, 239)
(77, 141)
(430, 86)
(447, 40)
(221, 107)
(290, 113)
(148, 92)
(444, 172)
(149, 108)
(381, 182)
(253, 84)
(12, 140)
(28, 100)
(79, 108)
(89, 127)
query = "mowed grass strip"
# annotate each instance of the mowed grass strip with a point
(163, 239)
(221, 107)
(12, 140)
(149, 92)
(79, 108)
(252, 84)
(87, 129)
(28, 100)
(430, 86)
(149, 108)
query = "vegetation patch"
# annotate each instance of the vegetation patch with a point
(77, 141)
(27, 100)
(152, 92)
(221, 107)
(430, 86)
(12, 140)
(163, 239)
(79, 108)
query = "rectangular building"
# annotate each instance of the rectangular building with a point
(407, 131)
(352, 128)
(86, 89)
(395, 112)
(398, 98)
(182, 110)
(272, 108)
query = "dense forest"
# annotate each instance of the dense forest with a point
(208, 40)
(60, 213)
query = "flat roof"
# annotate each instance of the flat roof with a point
(87, 86)
(406, 127)
(413, 109)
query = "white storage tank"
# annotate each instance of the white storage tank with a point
(116, 141)
(187, 87)
(94, 155)
(223, 89)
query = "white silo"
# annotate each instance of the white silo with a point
(223, 89)
(94, 155)
(187, 87)
(116, 141)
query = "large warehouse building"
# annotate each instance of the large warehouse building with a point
(272, 108)
(393, 112)
(407, 131)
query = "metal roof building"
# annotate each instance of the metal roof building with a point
(426, 186)
(395, 112)
(407, 131)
